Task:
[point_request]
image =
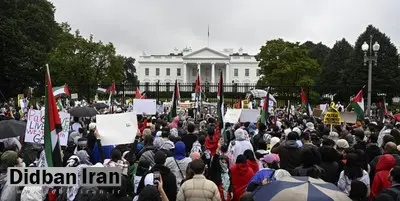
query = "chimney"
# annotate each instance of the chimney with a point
(241, 51)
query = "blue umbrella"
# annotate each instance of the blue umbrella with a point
(299, 189)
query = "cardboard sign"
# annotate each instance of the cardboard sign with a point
(249, 115)
(74, 96)
(245, 104)
(332, 117)
(349, 117)
(232, 115)
(117, 129)
(317, 112)
(35, 127)
(147, 106)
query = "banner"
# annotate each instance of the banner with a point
(117, 129)
(249, 115)
(146, 106)
(232, 115)
(35, 127)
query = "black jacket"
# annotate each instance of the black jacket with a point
(289, 153)
(169, 181)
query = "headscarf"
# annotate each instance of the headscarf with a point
(174, 123)
(225, 179)
(83, 157)
(240, 134)
(174, 132)
(9, 158)
(179, 151)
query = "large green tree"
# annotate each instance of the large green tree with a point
(83, 63)
(334, 76)
(27, 34)
(130, 71)
(286, 63)
(317, 51)
(386, 75)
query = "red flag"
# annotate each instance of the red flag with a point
(138, 94)
(111, 89)
(303, 97)
(198, 86)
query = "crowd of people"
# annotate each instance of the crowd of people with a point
(200, 159)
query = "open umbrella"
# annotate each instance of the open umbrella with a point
(259, 93)
(99, 105)
(12, 128)
(299, 189)
(83, 112)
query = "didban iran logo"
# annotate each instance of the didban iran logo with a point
(64, 176)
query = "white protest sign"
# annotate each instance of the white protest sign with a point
(250, 115)
(232, 115)
(117, 129)
(147, 106)
(74, 96)
(35, 127)
(349, 117)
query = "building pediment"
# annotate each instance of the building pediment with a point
(206, 53)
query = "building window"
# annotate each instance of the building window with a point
(235, 72)
(146, 71)
(157, 72)
(258, 72)
(246, 72)
(168, 71)
(178, 72)
(167, 86)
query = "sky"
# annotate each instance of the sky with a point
(159, 26)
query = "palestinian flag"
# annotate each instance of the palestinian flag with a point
(174, 103)
(358, 105)
(220, 103)
(265, 108)
(198, 92)
(305, 103)
(138, 95)
(101, 90)
(63, 90)
(111, 89)
(52, 126)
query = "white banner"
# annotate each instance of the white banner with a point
(147, 106)
(117, 129)
(250, 115)
(232, 115)
(35, 127)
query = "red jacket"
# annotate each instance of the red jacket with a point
(241, 175)
(380, 182)
(212, 144)
(253, 165)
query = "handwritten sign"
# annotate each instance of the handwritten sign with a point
(35, 127)
(332, 117)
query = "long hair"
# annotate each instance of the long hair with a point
(353, 169)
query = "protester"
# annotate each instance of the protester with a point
(385, 164)
(241, 174)
(289, 152)
(178, 163)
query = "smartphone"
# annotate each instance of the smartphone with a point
(156, 177)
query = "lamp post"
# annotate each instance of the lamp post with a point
(371, 58)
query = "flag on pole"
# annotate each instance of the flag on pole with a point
(198, 92)
(101, 90)
(305, 103)
(111, 89)
(61, 90)
(52, 126)
(358, 105)
(174, 103)
(265, 109)
(138, 95)
(220, 104)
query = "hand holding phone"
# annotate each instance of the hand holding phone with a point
(156, 177)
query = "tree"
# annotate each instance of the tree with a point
(84, 63)
(317, 51)
(334, 79)
(286, 63)
(27, 34)
(130, 71)
(386, 75)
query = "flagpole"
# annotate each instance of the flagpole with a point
(208, 36)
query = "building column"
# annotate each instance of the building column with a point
(184, 73)
(199, 69)
(212, 73)
(228, 72)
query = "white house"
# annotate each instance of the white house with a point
(183, 65)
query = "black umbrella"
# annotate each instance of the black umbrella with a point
(99, 105)
(12, 128)
(83, 112)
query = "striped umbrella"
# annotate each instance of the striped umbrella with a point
(299, 189)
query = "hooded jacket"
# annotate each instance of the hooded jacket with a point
(289, 153)
(240, 144)
(212, 143)
(240, 177)
(385, 164)
(169, 181)
(179, 162)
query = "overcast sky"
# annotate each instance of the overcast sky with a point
(158, 26)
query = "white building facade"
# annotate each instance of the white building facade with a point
(184, 65)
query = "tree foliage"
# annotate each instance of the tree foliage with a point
(386, 75)
(286, 63)
(317, 51)
(84, 63)
(334, 75)
(27, 35)
(130, 71)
